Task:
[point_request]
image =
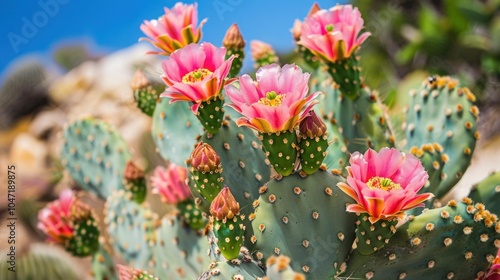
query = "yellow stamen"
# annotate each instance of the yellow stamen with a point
(272, 99)
(196, 76)
(382, 183)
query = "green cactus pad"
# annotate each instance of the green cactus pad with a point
(191, 215)
(305, 218)
(131, 228)
(207, 184)
(312, 152)
(41, 262)
(233, 270)
(229, 234)
(278, 268)
(281, 150)
(488, 192)
(147, 98)
(180, 252)
(372, 237)
(244, 166)
(137, 188)
(441, 112)
(308, 57)
(345, 73)
(239, 56)
(95, 155)
(362, 122)
(210, 113)
(103, 267)
(174, 130)
(453, 242)
(433, 162)
(85, 241)
(337, 156)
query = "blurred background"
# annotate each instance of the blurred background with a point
(62, 59)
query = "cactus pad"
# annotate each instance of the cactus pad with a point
(441, 112)
(174, 130)
(488, 192)
(288, 206)
(453, 242)
(131, 228)
(180, 252)
(95, 155)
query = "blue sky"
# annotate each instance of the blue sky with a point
(39, 26)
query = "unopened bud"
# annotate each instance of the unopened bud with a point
(224, 205)
(204, 158)
(233, 38)
(312, 126)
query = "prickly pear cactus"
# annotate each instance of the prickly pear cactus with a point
(466, 233)
(233, 270)
(362, 122)
(41, 262)
(244, 165)
(444, 113)
(488, 192)
(180, 252)
(103, 266)
(174, 131)
(288, 206)
(131, 228)
(27, 80)
(95, 155)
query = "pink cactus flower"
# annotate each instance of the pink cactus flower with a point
(277, 101)
(261, 50)
(333, 34)
(55, 221)
(171, 183)
(175, 29)
(196, 73)
(385, 184)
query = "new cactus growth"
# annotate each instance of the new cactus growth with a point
(313, 143)
(206, 171)
(227, 225)
(146, 92)
(262, 53)
(288, 190)
(235, 45)
(135, 182)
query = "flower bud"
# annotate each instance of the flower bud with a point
(224, 205)
(132, 172)
(139, 81)
(312, 126)
(297, 30)
(233, 38)
(204, 158)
